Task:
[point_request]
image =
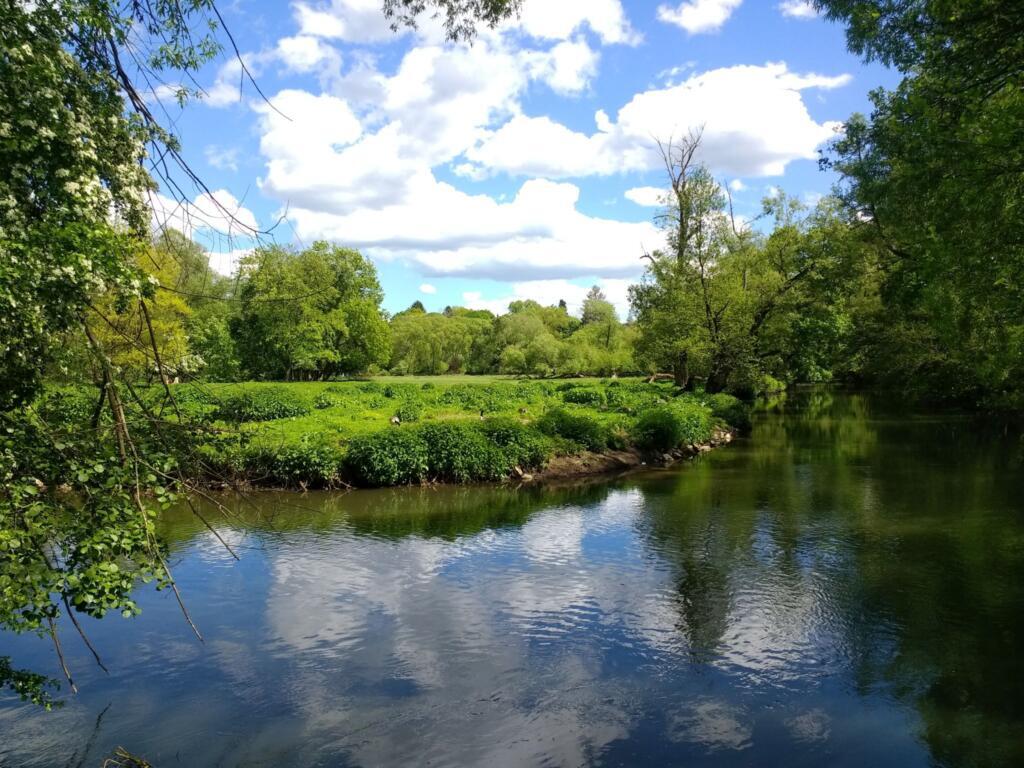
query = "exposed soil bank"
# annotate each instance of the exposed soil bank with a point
(612, 462)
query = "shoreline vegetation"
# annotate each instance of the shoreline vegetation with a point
(392, 432)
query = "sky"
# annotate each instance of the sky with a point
(522, 166)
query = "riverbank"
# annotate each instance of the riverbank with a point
(372, 434)
(590, 464)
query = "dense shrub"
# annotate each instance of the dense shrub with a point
(308, 463)
(522, 444)
(618, 433)
(70, 406)
(634, 398)
(458, 452)
(669, 426)
(580, 428)
(410, 410)
(585, 396)
(262, 404)
(194, 395)
(492, 398)
(729, 409)
(324, 400)
(390, 457)
(401, 391)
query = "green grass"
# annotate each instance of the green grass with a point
(455, 428)
(357, 411)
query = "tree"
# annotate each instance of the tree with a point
(725, 302)
(679, 306)
(460, 17)
(435, 343)
(130, 334)
(74, 224)
(310, 314)
(934, 180)
(74, 133)
(597, 308)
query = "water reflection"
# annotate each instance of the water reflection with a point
(845, 587)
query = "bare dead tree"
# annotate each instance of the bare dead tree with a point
(677, 156)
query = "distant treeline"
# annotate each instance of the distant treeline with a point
(910, 276)
(315, 314)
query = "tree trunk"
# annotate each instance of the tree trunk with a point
(718, 378)
(681, 370)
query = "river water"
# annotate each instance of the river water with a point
(843, 587)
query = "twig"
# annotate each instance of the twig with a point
(195, 511)
(60, 654)
(81, 633)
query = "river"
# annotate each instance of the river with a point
(845, 586)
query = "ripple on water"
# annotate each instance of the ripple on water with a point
(783, 602)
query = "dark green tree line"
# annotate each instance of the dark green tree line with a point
(934, 179)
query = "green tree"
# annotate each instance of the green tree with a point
(731, 305)
(74, 228)
(597, 308)
(934, 178)
(435, 343)
(459, 17)
(74, 130)
(310, 313)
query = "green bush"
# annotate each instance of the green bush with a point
(458, 452)
(408, 411)
(189, 395)
(492, 398)
(309, 464)
(390, 457)
(669, 426)
(67, 406)
(580, 428)
(262, 404)
(618, 433)
(729, 409)
(324, 400)
(522, 444)
(633, 398)
(585, 396)
(401, 391)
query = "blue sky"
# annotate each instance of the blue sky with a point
(522, 166)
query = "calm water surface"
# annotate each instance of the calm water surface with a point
(845, 587)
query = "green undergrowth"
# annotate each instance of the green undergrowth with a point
(406, 431)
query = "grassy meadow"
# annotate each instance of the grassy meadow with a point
(405, 430)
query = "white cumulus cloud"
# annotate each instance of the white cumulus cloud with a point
(798, 9)
(697, 16)
(560, 20)
(754, 123)
(647, 196)
(428, 288)
(352, 21)
(217, 213)
(363, 162)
